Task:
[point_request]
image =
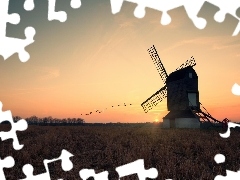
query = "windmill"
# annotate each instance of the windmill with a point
(181, 90)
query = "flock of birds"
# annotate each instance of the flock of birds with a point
(101, 111)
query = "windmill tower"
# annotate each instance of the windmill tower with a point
(181, 90)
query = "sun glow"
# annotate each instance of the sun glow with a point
(156, 120)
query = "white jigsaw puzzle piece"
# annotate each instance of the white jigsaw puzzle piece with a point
(20, 125)
(76, 4)
(61, 15)
(220, 158)
(227, 7)
(9, 46)
(237, 29)
(28, 171)
(53, 15)
(29, 5)
(192, 8)
(230, 175)
(7, 162)
(230, 125)
(137, 167)
(87, 173)
(67, 165)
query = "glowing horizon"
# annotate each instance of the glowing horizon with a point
(90, 63)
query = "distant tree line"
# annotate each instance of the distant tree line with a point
(50, 121)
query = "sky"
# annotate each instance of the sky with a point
(96, 60)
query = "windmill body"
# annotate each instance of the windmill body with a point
(181, 90)
(182, 95)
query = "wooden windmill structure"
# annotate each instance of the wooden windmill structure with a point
(181, 89)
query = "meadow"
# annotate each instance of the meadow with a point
(175, 153)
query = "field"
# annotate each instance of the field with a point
(175, 153)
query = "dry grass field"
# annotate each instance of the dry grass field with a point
(175, 153)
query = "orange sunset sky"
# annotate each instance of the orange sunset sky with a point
(96, 60)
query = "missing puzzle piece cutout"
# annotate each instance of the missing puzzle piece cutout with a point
(20, 125)
(7, 162)
(67, 165)
(192, 9)
(236, 89)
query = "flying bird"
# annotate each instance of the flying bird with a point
(103, 110)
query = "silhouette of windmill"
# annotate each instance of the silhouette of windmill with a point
(181, 89)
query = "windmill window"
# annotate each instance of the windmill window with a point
(190, 75)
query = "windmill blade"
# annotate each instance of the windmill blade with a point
(190, 62)
(154, 99)
(157, 62)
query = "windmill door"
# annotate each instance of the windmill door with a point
(172, 123)
(192, 98)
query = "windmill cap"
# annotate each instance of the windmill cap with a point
(180, 74)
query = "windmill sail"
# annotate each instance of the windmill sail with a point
(157, 62)
(190, 62)
(154, 99)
